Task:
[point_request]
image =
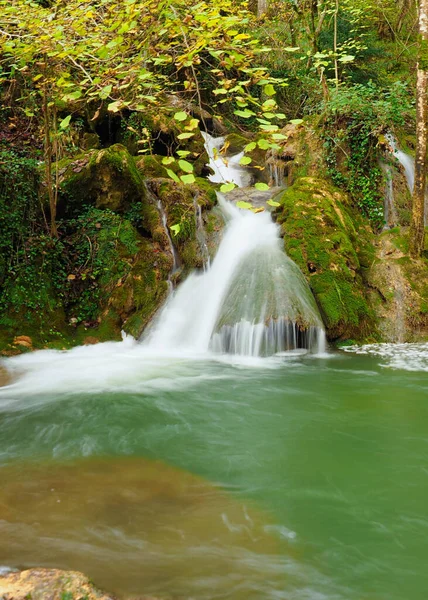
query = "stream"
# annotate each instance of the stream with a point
(295, 477)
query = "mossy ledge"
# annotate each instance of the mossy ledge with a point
(331, 244)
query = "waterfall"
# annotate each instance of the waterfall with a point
(389, 210)
(408, 164)
(200, 234)
(253, 300)
(163, 218)
(276, 172)
(225, 169)
(405, 160)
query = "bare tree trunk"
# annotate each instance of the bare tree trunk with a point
(417, 230)
(262, 6)
(336, 64)
(48, 162)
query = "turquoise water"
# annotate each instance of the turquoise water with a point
(296, 477)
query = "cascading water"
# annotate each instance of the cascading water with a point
(252, 301)
(408, 164)
(225, 169)
(389, 210)
(276, 172)
(162, 214)
(200, 234)
(407, 161)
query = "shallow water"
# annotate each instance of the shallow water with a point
(296, 477)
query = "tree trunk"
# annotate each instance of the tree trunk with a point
(417, 230)
(262, 6)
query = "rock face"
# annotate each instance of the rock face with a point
(398, 289)
(52, 584)
(333, 250)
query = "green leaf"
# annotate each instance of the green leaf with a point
(188, 178)
(296, 121)
(176, 229)
(114, 107)
(173, 175)
(246, 205)
(263, 144)
(269, 90)
(279, 136)
(263, 187)
(168, 160)
(245, 160)
(347, 58)
(73, 96)
(270, 103)
(245, 114)
(291, 48)
(65, 122)
(185, 166)
(273, 203)
(180, 116)
(250, 147)
(185, 136)
(105, 92)
(227, 187)
(183, 153)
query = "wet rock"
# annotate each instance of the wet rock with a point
(23, 340)
(41, 584)
(90, 341)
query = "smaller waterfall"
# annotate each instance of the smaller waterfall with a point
(276, 172)
(389, 210)
(225, 169)
(162, 214)
(200, 234)
(405, 160)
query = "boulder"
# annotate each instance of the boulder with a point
(331, 244)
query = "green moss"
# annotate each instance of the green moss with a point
(207, 192)
(107, 178)
(235, 143)
(326, 242)
(150, 166)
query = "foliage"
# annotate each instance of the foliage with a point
(355, 117)
(98, 253)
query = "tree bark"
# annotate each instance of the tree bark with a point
(262, 6)
(417, 230)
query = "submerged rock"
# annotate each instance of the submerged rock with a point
(136, 527)
(52, 584)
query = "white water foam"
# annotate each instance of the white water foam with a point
(225, 169)
(407, 357)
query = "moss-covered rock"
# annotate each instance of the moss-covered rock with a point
(333, 250)
(119, 278)
(150, 166)
(180, 204)
(106, 178)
